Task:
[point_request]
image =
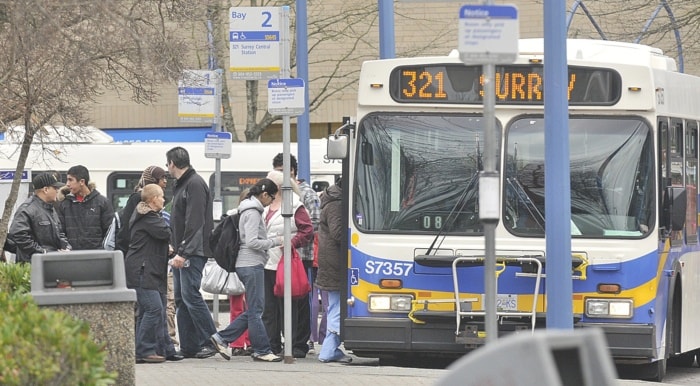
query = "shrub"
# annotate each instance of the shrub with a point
(14, 278)
(47, 347)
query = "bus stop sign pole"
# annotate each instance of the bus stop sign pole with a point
(498, 45)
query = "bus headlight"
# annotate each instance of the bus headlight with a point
(609, 308)
(390, 302)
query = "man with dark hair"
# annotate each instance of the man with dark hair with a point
(191, 222)
(307, 318)
(36, 227)
(85, 214)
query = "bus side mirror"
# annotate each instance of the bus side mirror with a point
(337, 147)
(674, 206)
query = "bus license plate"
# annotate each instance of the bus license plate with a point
(506, 302)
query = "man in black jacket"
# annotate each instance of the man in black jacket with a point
(191, 223)
(85, 214)
(36, 227)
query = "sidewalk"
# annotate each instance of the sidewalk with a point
(307, 371)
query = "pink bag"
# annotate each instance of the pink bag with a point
(300, 282)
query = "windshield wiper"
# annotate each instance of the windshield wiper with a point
(525, 199)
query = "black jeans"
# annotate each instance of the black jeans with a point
(273, 318)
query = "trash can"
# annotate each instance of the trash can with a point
(543, 358)
(91, 285)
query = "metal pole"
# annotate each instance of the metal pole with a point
(217, 203)
(557, 185)
(490, 146)
(386, 29)
(303, 125)
(287, 198)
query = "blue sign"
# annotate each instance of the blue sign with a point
(9, 175)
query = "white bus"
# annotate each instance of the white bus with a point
(115, 168)
(412, 198)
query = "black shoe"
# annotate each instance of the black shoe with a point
(298, 353)
(205, 352)
(175, 357)
(186, 355)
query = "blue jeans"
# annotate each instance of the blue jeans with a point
(253, 279)
(330, 350)
(194, 321)
(151, 326)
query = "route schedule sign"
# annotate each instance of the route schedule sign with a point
(488, 34)
(197, 96)
(256, 42)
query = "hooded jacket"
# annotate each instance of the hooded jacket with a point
(147, 259)
(254, 241)
(86, 223)
(191, 216)
(332, 267)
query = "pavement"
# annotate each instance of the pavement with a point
(304, 371)
(307, 371)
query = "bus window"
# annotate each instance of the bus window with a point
(232, 184)
(691, 181)
(120, 185)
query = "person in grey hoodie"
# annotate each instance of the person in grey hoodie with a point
(250, 264)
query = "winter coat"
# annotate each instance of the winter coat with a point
(123, 235)
(254, 241)
(332, 260)
(302, 231)
(86, 223)
(191, 218)
(147, 259)
(36, 228)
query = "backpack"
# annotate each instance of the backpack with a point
(225, 242)
(111, 237)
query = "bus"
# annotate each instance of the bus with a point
(115, 168)
(415, 244)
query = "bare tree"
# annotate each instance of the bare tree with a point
(59, 55)
(650, 22)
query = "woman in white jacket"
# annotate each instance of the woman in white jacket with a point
(302, 233)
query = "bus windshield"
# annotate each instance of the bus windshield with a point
(418, 173)
(612, 182)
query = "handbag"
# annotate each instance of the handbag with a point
(300, 281)
(215, 280)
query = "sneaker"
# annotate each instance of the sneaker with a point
(298, 353)
(312, 349)
(269, 357)
(219, 347)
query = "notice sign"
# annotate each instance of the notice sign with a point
(198, 96)
(285, 96)
(488, 34)
(256, 42)
(217, 144)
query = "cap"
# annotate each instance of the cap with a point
(46, 179)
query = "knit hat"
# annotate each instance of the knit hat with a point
(152, 175)
(46, 179)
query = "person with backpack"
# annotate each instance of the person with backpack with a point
(250, 263)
